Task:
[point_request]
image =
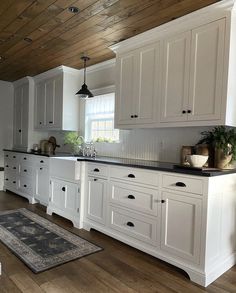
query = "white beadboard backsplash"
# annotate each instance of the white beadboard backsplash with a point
(148, 144)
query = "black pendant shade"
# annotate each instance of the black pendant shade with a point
(84, 92)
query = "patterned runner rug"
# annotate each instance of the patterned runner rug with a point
(39, 243)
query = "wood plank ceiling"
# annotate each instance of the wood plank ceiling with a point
(36, 35)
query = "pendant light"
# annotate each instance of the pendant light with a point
(84, 92)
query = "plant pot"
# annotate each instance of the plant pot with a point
(221, 160)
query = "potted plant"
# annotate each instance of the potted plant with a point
(223, 139)
(75, 141)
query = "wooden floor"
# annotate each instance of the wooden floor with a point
(118, 268)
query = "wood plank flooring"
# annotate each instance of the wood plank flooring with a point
(118, 268)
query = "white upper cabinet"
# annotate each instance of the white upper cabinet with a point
(180, 73)
(56, 106)
(137, 86)
(206, 73)
(176, 65)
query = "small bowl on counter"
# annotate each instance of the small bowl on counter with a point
(197, 161)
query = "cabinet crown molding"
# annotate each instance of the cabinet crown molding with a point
(23, 80)
(56, 71)
(207, 14)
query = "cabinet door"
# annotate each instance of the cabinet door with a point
(42, 184)
(54, 94)
(96, 199)
(206, 74)
(126, 69)
(17, 139)
(174, 98)
(181, 226)
(147, 84)
(25, 114)
(64, 196)
(40, 106)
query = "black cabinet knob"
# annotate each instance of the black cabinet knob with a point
(25, 185)
(130, 196)
(183, 112)
(14, 182)
(189, 111)
(96, 170)
(180, 184)
(6, 156)
(25, 170)
(41, 161)
(7, 166)
(50, 122)
(14, 157)
(25, 159)
(131, 176)
(63, 189)
(40, 123)
(135, 116)
(19, 130)
(130, 224)
(95, 179)
(163, 201)
(6, 179)
(14, 168)
(132, 116)
(40, 168)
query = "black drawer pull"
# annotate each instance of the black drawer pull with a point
(135, 116)
(7, 166)
(183, 112)
(25, 185)
(6, 156)
(14, 157)
(6, 179)
(180, 184)
(14, 168)
(96, 170)
(132, 116)
(19, 130)
(130, 224)
(14, 182)
(41, 161)
(95, 179)
(25, 170)
(63, 189)
(130, 196)
(25, 158)
(189, 111)
(41, 168)
(40, 123)
(50, 122)
(131, 176)
(163, 201)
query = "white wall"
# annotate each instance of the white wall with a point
(6, 117)
(148, 144)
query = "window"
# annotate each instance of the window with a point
(99, 119)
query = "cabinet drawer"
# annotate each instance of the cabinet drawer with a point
(135, 175)
(98, 170)
(24, 158)
(27, 170)
(41, 160)
(182, 183)
(11, 156)
(134, 225)
(10, 180)
(26, 185)
(11, 166)
(140, 199)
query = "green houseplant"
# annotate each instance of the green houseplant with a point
(74, 140)
(223, 139)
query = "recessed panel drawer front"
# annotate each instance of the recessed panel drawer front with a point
(140, 199)
(27, 170)
(26, 186)
(11, 166)
(182, 183)
(11, 156)
(41, 160)
(97, 170)
(135, 175)
(24, 158)
(133, 225)
(10, 180)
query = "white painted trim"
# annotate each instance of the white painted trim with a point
(205, 15)
(56, 71)
(104, 90)
(100, 66)
(21, 81)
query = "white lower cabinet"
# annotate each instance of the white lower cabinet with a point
(42, 184)
(96, 202)
(181, 226)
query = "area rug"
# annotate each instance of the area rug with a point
(39, 243)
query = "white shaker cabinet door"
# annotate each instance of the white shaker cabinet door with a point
(42, 184)
(175, 80)
(147, 85)
(96, 205)
(40, 119)
(124, 108)
(181, 226)
(206, 74)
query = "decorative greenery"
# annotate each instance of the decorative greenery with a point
(103, 139)
(221, 137)
(73, 139)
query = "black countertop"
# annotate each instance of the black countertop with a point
(143, 164)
